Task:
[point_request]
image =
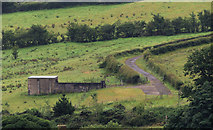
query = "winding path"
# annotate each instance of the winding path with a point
(156, 87)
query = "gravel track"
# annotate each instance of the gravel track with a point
(156, 87)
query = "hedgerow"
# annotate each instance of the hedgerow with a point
(171, 46)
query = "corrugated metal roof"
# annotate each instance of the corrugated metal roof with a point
(42, 77)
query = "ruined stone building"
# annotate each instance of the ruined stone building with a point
(39, 85)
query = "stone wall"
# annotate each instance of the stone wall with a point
(77, 87)
(48, 86)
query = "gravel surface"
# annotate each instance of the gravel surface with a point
(156, 87)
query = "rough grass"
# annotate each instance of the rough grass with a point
(174, 61)
(94, 15)
(20, 101)
(72, 62)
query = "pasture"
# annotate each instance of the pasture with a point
(173, 62)
(56, 20)
(73, 62)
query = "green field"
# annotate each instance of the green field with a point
(174, 61)
(95, 15)
(74, 62)
(79, 62)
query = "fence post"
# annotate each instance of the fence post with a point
(62, 127)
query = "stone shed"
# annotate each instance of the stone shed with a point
(40, 85)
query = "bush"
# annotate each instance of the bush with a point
(63, 119)
(112, 64)
(77, 122)
(128, 75)
(81, 33)
(122, 71)
(63, 107)
(106, 32)
(24, 121)
(36, 35)
(140, 117)
(116, 114)
(171, 46)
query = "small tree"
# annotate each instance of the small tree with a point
(198, 114)
(199, 65)
(15, 52)
(63, 107)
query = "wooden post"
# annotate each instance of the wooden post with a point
(62, 127)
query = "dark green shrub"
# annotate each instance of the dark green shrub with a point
(36, 35)
(112, 64)
(33, 112)
(128, 75)
(8, 39)
(77, 121)
(63, 107)
(24, 121)
(106, 32)
(116, 114)
(63, 119)
(81, 33)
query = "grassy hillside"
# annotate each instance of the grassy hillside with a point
(94, 15)
(74, 62)
(172, 61)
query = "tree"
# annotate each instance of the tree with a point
(39, 35)
(198, 114)
(24, 121)
(8, 7)
(199, 65)
(8, 38)
(178, 24)
(63, 107)
(159, 24)
(205, 20)
(150, 28)
(139, 28)
(106, 32)
(194, 24)
(15, 52)
(81, 33)
(125, 30)
(168, 28)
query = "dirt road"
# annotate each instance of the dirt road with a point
(156, 87)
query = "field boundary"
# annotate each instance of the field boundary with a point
(162, 49)
(112, 65)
